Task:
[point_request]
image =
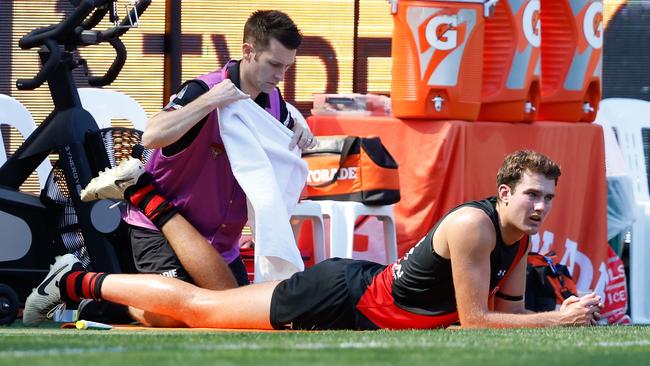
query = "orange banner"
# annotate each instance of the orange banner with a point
(442, 164)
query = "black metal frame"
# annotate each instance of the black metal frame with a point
(64, 132)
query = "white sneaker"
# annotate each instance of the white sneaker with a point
(46, 298)
(111, 183)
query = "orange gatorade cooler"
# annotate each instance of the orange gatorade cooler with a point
(437, 55)
(511, 62)
(572, 41)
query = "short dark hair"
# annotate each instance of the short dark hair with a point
(518, 162)
(263, 25)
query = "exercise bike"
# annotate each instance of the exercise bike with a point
(33, 228)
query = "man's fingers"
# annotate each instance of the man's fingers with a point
(241, 95)
(590, 301)
(294, 141)
(312, 143)
(302, 139)
(570, 300)
(595, 318)
(306, 140)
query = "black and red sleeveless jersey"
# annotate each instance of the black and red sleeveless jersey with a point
(417, 291)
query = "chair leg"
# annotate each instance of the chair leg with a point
(318, 234)
(296, 224)
(350, 219)
(390, 239)
(340, 233)
(318, 230)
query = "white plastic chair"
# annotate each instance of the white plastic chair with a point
(628, 117)
(13, 113)
(344, 214)
(105, 104)
(310, 210)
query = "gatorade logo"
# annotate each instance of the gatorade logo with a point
(441, 35)
(592, 26)
(531, 23)
(442, 32)
(325, 175)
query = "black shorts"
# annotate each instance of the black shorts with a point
(153, 254)
(323, 296)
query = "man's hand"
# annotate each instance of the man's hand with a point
(225, 93)
(583, 310)
(302, 137)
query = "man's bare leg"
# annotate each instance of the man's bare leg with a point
(200, 260)
(204, 264)
(154, 320)
(246, 307)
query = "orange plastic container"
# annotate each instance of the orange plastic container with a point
(572, 40)
(511, 62)
(437, 55)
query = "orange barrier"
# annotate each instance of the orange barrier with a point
(511, 62)
(437, 55)
(572, 40)
(446, 163)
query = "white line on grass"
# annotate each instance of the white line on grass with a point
(297, 346)
(60, 351)
(642, 342)
(220, 346)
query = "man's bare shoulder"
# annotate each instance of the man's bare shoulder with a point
(468, 218)
(469, 226)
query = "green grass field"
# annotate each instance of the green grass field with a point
(567, 346)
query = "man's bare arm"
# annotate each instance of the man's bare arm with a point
(165, 128)
(470, 236)
(513, 287)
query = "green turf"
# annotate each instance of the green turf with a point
(566, 346)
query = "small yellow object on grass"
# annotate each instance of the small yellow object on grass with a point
(87, 324)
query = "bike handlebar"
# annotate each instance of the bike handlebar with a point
(70, 32)
(95, 18)
(115, 67)
(59, 31)
(48, 67)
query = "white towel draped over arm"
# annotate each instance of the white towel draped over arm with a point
(272, 177)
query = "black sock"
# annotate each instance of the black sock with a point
(146, 197)
(78, 284)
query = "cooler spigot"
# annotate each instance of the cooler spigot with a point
(587, 108)
(437, 103)
(529, 107)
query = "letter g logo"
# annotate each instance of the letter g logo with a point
(531, 23)
(593, 24)
(441, 32)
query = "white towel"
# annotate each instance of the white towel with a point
(272, 177)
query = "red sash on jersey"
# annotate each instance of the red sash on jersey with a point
(521, 253)
(378, 305)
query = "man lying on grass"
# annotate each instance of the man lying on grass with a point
(470, 267)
